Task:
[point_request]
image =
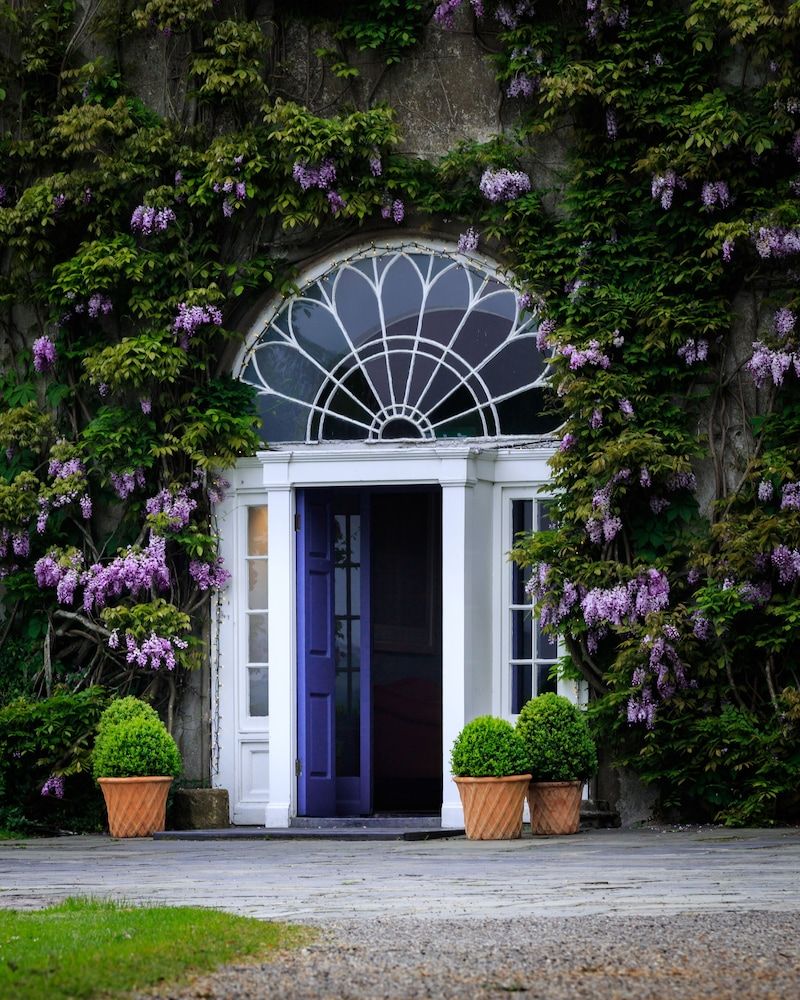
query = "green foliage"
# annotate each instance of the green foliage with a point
(123, 709)
(39, 739)
(392, 26)
(488, 747)
(137, 747)
(724, 766)
(556, 738)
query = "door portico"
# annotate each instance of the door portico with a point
(258, 759)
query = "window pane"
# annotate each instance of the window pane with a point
(546, 645)
(521, 635)
(519, 577)
(258, 645)
(521, 687)
(521, 517)
(545, 506)
(544, 683)
(257, 531)
(259, 692)
(257, 584)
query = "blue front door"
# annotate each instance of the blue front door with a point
(333, 683)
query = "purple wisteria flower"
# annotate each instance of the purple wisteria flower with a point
(716, 193)
(335, 202)
(591, 355)
(394, 210)
(59, 201)
(147, 220)
(445, 11)
(44, 354)
(658, 504)
(509, 14)
(209, 576)
(154, 652)
(567, 442)
(785, 321)
(596, 420)
(777, 241)
(321, 176)
(546, 329)
(626, 408)
(124, 483)
(503, 184)
(702, 628)
(727, 250)
(145, 404)
(189, 318)
(693, 351)
(663, 187)
(173, 508)
(765, 491)
(21, 545)
(523, 86)
(99, 305)
(612, 125)
(468, 241)
(132, 572)
(626, 603)
(790, 497)
(768, 365)
(375, 166)
(54, 786)
(787, 562)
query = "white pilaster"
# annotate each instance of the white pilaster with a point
(282, 690)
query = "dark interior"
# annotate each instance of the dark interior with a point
(406, 597)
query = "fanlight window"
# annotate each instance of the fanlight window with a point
(394, 344)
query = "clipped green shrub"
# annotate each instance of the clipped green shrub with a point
(137, 747)
(488, 747)
(123, 709)
(557, 742)
(45, 762)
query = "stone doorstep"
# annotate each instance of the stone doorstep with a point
(349, 833)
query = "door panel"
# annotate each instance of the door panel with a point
(316, 733)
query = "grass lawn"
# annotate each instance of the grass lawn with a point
(88, 948)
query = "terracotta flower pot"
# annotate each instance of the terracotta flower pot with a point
(137, 807)
(493, 806)
(555, 807)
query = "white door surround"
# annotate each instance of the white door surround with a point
(472, 476)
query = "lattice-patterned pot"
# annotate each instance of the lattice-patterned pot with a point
(555, 807)
(493, 806)
(137, 807)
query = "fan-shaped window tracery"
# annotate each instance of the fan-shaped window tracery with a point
(399, 343)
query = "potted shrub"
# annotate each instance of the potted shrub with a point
(489, 766)
(134, 761)
(561, 756)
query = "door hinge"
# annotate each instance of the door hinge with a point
(296, 522)
(298, 767)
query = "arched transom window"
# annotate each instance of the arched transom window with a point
(399, 343)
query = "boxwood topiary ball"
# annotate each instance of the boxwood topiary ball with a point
(557, 741)
(135, 748)
(122, 709)
(488, 747)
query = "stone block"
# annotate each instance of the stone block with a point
(199, 809)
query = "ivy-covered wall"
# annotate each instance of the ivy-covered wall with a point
(165, 165)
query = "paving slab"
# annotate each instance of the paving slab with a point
(654, 871)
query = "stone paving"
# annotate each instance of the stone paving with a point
(653, 871)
